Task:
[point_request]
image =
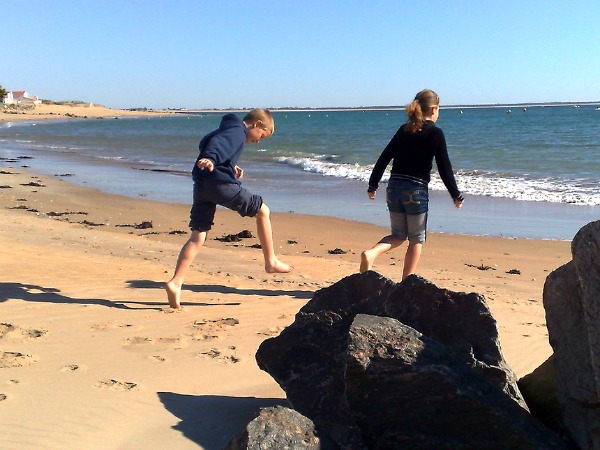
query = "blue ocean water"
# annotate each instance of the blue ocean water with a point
(526, 172)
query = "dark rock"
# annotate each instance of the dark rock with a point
(405, 388)
(308, 359)
(279, 428)
(539, 391)
(571, 300)
(459, 320)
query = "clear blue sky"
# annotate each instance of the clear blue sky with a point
(309, 53)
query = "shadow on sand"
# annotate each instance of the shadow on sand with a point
(212, 420)
(219, 289)
(41, 294)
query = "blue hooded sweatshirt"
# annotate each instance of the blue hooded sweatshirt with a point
(223, 147)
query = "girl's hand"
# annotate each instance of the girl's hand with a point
(458, 203)
(239, 172)
(204, 163)
(372, 194)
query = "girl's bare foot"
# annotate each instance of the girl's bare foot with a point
(173, 294)
(278, 267)
(366, 261)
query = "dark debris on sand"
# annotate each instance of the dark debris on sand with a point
(481, 266)
(245, 234)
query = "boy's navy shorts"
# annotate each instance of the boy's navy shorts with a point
(208, 194)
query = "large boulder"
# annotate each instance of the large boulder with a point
(459, 320)
(309, 359)
(406, 390)
(572, 304)
(539, 391)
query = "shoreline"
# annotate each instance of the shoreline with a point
(480, 216)
(83, 303)
(346, 199)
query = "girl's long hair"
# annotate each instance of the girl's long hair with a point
(424, 100)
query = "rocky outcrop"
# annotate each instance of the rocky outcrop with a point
(572, 303)
(376, 364)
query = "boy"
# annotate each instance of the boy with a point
(216, 182)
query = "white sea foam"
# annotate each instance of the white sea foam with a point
(490, 184)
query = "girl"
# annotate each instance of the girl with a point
(413, 148)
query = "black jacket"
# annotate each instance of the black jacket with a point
(413, 155)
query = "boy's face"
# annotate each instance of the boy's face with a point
(255, 133)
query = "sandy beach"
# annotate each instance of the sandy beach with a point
(92, 357)
(55, 112)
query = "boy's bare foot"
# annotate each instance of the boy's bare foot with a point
(278, 267)
(173, 294)
(366, 261)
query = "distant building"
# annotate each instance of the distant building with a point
(21, 98)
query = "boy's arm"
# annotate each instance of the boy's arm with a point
(221, 147)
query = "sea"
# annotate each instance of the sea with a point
(528, 172)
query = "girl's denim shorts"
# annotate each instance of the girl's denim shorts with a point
(408, 203)
(408, 197)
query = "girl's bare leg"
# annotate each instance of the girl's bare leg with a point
(387, 243)
(411, 259)
(186, 256)
(265, 236)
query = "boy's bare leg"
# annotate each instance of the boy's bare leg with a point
(411, 260)
(186, 257)
(387, 243)
(265, 236)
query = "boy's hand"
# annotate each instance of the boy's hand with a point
(239, 172)
(204, 163)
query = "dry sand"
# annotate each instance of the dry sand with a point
(54, 112)
(91, 357)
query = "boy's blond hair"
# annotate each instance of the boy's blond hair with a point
(262, 118)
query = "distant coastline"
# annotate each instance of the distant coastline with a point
(82, 110)
(383, 108)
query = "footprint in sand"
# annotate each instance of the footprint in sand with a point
(217, 355)
(210, 328)
(116, 385)
(167, 343)
(204, 337)
(106, 325)
(16, 359)
(229, 321)
(158, 358)
(8, 330)
(2, 397)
